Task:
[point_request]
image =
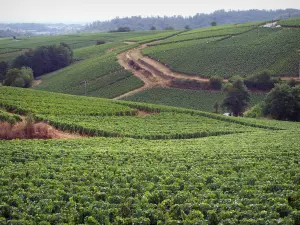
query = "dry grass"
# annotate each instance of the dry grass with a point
(26, 130)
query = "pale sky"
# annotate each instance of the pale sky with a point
(90, 10)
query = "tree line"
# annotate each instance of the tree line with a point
(196, 21)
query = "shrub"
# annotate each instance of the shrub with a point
(215, 82)
(292, 82)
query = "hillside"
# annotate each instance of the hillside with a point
(160, 66)
(212, 170)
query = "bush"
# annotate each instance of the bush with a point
(256, 111)
(215, 82)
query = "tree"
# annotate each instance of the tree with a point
(153, 28)
(214, 23)
(283, 103)
(19, 77)
(237, 98)
(187, 27)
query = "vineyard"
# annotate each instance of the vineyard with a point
(135, 162)
(215, 170)
(200, 100)
(243, 55)
(234, 179)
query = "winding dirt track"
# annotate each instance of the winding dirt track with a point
(151, 72)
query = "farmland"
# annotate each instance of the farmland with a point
(248, 176)
(200, 100)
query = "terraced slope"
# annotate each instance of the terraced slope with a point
(275, 49)
(238, 178)
(116, 118)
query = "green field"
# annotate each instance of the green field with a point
(238, 178)
(200, 100)
(244, 54)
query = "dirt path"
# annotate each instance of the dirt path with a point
(150, 71)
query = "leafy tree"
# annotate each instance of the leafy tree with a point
(153, 28)
(283, 103)
(237, 98)
(3, 70)
(187, 27)
(214, 23)
(19, 77)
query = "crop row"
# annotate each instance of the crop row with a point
(165, 125)
(249, 178)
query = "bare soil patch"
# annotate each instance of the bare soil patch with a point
(36, 83)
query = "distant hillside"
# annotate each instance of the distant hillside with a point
(196, 21)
